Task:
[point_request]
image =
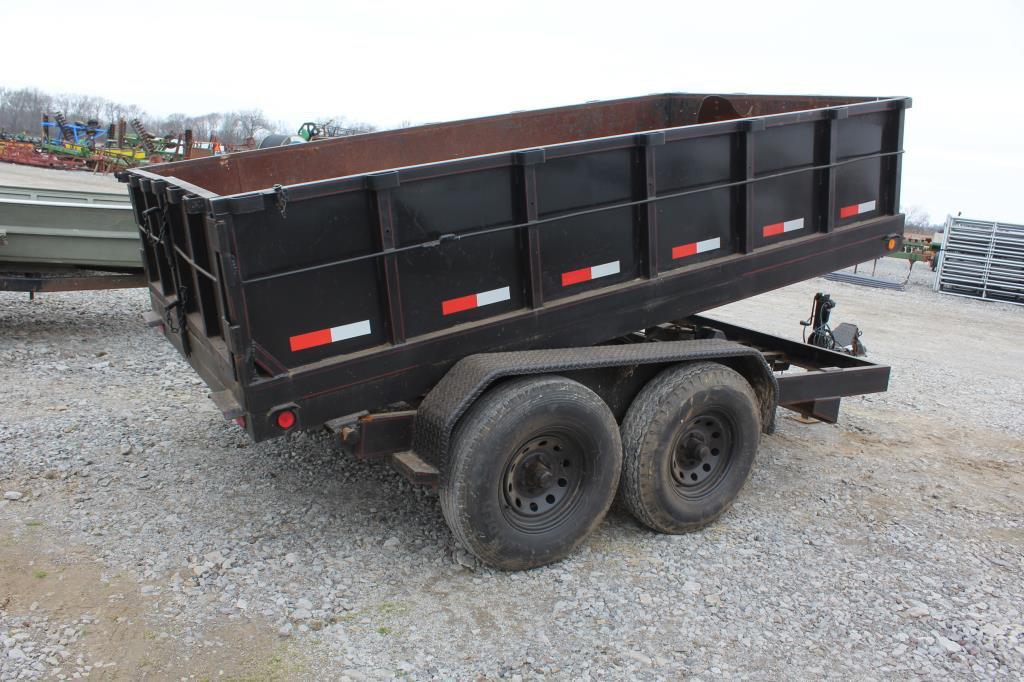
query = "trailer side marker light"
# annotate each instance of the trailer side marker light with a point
(684, 250)
(457, 305)
(285, 419)
(780, 228)
(891, 244)
(856, 209)
(587, 274)
(322, 337)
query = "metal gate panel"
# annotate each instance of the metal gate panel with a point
(982, 259)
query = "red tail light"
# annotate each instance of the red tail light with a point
(285, 419)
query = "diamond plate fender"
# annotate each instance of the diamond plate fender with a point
(442, 408)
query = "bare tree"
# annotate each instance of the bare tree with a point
(917, 218)
(175, 124)
(21, 110)
(238, 126)
(254, 124)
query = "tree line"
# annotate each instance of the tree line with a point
(22, 109)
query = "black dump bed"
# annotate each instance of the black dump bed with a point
(351, 273)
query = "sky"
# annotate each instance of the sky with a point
(388, 62)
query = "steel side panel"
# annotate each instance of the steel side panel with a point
(577, 254)
(381, 376)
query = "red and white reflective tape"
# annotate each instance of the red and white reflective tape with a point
(856, 209)
(693, 248)
(457, 305)
(322, 337)
(783, 227)
(587, 274)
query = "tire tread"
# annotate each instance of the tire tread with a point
(645, 408)
(474, 429)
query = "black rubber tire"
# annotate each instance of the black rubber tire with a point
(488, 445)
(661, 416)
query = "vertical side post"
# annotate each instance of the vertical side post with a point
(828, 224)
(149, 261)
(152, 222)
(237, 334)
(182, 293)
(210, 303)
(527, 162)
(747, 202)
(648, 214)
(381, 185)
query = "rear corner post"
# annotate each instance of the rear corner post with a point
(894, 143)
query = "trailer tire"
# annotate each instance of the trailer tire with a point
(532, 469)
(689, 441)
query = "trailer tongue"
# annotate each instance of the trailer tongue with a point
(490, 302)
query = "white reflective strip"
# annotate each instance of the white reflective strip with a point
(493, 296)
(791, 225)
(865, 207)
(604, 270)
(350, 331)
(709, 245)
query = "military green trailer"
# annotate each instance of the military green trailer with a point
(61, 240)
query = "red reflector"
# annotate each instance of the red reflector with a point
(684, 250)
(576, 276)
(311, 339)
(286, 419)
(457, 305)
(240, 421)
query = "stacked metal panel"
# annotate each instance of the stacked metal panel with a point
(864, 280)
(982, 259)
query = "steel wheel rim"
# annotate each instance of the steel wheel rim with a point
(701, 454)
(543, 481)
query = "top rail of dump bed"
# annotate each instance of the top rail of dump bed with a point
(342, 163)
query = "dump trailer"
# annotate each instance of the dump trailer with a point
(506, 307)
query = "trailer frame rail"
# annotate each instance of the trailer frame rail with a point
(823, 378)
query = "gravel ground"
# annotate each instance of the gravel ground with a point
(141, 536)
